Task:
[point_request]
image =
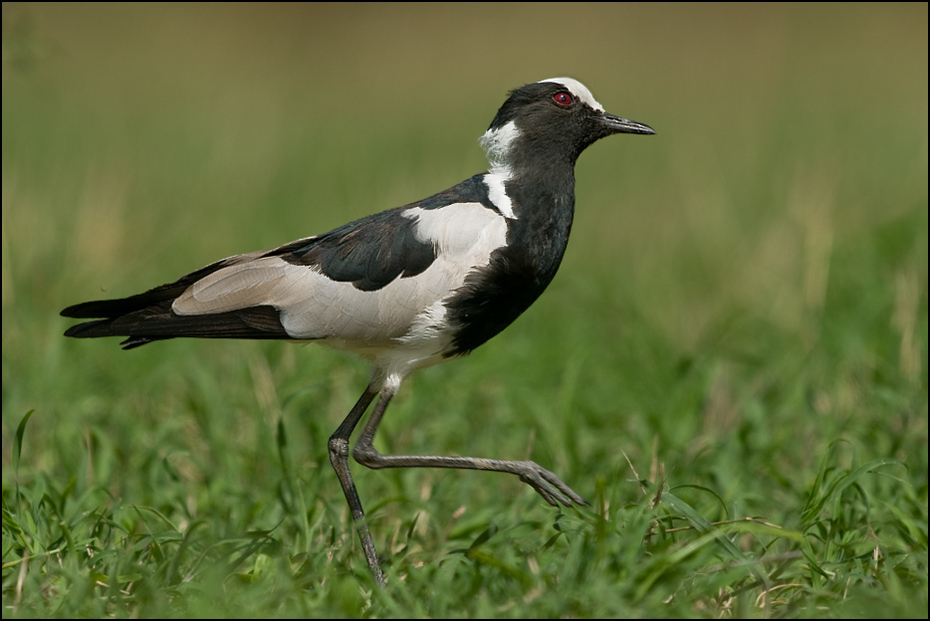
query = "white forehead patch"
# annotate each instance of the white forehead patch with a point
(579, 90)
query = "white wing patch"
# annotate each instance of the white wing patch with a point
(464, 236)
(408, 311)
(231, 288)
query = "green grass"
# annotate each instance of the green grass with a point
(731, 364)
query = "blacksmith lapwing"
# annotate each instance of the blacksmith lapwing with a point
(405, 288)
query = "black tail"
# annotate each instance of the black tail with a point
(148, 317)
(159, 322)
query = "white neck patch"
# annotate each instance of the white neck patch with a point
(497, 144)
(497, 192)
(579, 90)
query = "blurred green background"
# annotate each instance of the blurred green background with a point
(742, 308)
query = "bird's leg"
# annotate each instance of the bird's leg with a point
(339, 457)
(549, 486)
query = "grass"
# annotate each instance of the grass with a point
(731, 365)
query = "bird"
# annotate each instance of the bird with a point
(405, 288)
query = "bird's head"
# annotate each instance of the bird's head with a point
(556, 118)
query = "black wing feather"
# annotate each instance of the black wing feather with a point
(148, 317)
(370, 253)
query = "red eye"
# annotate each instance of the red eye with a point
(563, 99)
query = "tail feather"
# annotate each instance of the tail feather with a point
(148, 316)
(160, 322)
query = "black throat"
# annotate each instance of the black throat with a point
(543, 203)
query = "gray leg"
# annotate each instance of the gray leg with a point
(546, 483)
(339, 457)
